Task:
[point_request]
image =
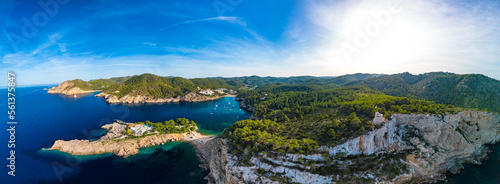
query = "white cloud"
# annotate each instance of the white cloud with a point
(62, 47)
(220, 18)
(151, 44)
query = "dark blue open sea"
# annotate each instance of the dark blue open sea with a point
(43, 118)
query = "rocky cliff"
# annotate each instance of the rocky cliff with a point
(110, 143)
(244, 106)
(128, 99)
(407, 149)
(68, 88)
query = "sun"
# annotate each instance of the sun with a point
(375, 32)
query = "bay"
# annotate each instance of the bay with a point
(44, 118)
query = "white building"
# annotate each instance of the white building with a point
(207, 92)
(221, 90)
(378, 119)
(140, 129)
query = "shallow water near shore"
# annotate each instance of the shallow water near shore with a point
(44, 118)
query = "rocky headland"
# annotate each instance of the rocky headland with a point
(128, 99)
(68, 88)
(115, 142)
(408, 148)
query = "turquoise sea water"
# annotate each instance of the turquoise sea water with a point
(43, 118)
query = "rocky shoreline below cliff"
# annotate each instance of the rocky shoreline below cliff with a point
(127, 99)
(409, 148)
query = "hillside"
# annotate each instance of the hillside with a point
(256, 81)
(164, 87)
(100, 84)
(328, 117)
(408, 148)
(153, 86)
(144, 85)
(469, 91)
(78, 86)
(325, 134)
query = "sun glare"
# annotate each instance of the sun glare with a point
(378, 32)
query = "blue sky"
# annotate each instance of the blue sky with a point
(50, 41)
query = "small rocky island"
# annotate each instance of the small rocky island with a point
(124, 139)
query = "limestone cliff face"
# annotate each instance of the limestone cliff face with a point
(127, 99)
(418, 148)
(436, 143)
(67, 88)
(217, 162)
(224, 167)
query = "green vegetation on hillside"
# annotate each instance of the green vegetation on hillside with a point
(296, 118)
(98, 84)
(152, 86)
(250, 137)
(217, 83)
(83, 85)
(180, 125)
(165, 87)
(468, 91)
(255, 81)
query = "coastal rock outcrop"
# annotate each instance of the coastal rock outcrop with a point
(436, 143)
(408, 148)
(128, 99)
(67, 88)
(246, 107)
(112, 143)
(123, 148)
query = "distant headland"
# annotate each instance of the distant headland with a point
(148, 88)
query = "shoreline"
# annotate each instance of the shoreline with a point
(70, 93)
(118, 143)
(190, 97)
(199, 144)
(122, 148)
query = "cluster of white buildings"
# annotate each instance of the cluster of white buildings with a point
(212, 92)
(207, 92)
(221, 90)
(140, 129)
